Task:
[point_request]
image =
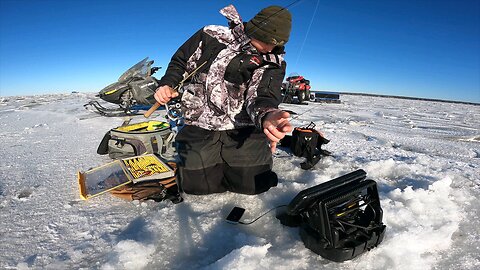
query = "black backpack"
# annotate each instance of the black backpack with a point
(306, 142)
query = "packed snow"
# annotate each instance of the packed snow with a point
(424, 156)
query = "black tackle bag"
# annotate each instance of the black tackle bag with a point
(306, 142)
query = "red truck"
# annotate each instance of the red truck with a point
(295, 86)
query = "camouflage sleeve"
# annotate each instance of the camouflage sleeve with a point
(178, 64)
(267, 93)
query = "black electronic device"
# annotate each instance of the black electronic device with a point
(339, 219)
(235, 215)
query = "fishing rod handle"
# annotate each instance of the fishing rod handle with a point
(151, 110)
(156, 105)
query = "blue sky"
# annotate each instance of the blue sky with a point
(417, 48)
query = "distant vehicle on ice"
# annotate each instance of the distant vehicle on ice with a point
(323, 96)
(295, 86)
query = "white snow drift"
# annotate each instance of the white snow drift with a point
(425, 157)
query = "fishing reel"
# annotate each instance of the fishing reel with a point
(174, 109)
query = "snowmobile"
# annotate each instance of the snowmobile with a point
(132, 92)
(295, 86)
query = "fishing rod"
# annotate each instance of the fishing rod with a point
(179, 85)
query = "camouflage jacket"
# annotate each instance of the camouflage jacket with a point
(235, 87)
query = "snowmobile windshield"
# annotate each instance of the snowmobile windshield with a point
(139, 70)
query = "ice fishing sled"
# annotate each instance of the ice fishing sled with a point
(325, 97)
(339, 219)
(132, 92)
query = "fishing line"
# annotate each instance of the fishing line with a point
(306, 35)
(191, 74)
(264, 22)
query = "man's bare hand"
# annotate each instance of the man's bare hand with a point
(276, 126)
(164, 94)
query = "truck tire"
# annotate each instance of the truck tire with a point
(302, 96)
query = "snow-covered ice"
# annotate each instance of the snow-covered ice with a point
(424, 155)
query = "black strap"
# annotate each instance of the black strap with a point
(103, 147)
(314, 156)
(312, 159)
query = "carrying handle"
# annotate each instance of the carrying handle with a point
(311, 125)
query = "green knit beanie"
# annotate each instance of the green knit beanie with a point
(271, 25)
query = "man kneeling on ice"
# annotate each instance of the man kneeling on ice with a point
(230, 104)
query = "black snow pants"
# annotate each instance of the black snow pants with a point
(238, 160)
